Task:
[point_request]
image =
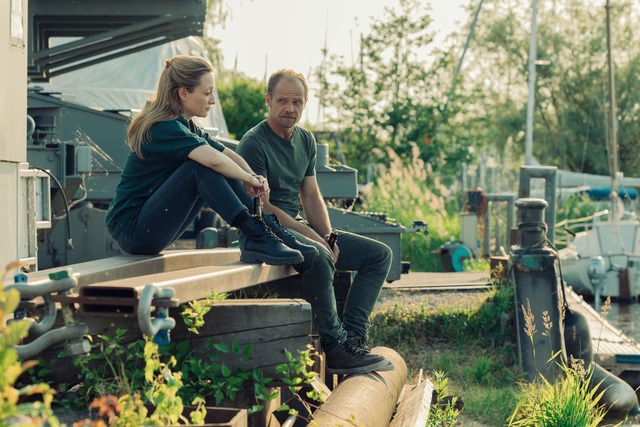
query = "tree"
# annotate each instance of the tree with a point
(393, 94)
(571, 93)
(243, 103)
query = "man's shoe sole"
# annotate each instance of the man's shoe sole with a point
(383, 365)
(255, 257)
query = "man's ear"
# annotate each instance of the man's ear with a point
(267, 98)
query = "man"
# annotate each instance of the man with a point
(286, 155)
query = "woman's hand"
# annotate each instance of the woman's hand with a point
(256, 185)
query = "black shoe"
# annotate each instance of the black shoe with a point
(287, 238)
(259, 244)
(359, 343)
(345, 359)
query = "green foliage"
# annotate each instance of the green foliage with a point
(570, 401)
(14, 410)
(423, 198)
(193, 313)
(570, 125)
(243, 104)
(174, 373)
(114, 369)
(442, 414)
(392, 94)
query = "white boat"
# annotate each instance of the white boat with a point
(604, 259)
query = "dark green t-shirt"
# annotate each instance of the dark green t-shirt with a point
(170, 145)
(285, 163)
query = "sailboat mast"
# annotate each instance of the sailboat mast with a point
(528, 144)
(613, 136)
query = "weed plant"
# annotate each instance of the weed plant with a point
(118, 375)
(572, 399)
(406, 192)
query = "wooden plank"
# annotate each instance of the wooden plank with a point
(248, 315)
(607, 341)
(195, 283)
(270, 326)
(126, 266)
(413, 409)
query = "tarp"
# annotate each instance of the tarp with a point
(128, 82)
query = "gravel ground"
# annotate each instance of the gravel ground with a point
(431, 300)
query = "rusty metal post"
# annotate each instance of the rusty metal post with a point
(538, 294)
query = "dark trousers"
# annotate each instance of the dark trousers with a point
(175, 205)
(370, 259)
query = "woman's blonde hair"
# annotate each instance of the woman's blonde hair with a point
(180, 71)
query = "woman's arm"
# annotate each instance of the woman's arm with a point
(230, 165)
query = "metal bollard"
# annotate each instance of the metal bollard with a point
(538, 294)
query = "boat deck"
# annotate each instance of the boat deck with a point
(612, 349)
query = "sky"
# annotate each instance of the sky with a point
(262, 36)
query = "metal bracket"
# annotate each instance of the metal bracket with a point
(158, 327)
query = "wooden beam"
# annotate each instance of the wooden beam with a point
(413, 410)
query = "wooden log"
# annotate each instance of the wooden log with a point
(365, 399)
(413, 410)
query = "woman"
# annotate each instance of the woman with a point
(174, 168)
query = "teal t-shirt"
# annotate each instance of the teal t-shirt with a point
(285, 163)
(170, 145)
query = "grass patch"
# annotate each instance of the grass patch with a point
(473, 346)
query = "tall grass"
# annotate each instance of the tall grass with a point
(407, 192)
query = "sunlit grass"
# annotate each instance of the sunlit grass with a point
(406, 192)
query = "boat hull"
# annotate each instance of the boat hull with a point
(605, 260)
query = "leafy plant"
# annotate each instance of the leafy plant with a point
(16, 404)
(193, 313)
(114, 369)
(444, 411)
(571, 401)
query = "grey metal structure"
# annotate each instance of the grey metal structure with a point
(105, 30)
(548, 173)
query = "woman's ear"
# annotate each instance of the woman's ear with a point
(182, 92)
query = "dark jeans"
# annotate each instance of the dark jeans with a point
(174, 206)
(370, 259)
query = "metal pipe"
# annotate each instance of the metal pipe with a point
(528, 145)
(510, 199)
(30, 291)
(66, 333)
(365, 399)
(548, 173)
(290, 421)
